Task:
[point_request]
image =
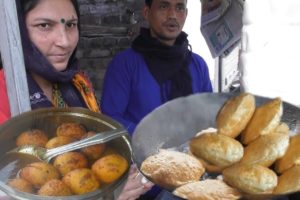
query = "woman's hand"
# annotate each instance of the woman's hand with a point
(135, 186)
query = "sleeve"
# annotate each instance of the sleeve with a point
(4, 103)
(207, 86)
(116, 91)
(204, 74)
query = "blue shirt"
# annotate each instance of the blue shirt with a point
(130, 91)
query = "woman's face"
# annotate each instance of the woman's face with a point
(52, 27)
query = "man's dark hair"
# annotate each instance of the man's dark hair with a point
(148, 2)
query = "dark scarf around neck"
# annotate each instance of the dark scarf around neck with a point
(167, 64)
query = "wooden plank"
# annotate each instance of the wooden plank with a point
(12, 56)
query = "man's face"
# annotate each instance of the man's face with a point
(166, 19)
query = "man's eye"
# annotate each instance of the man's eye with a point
(164, 7)
(180, 8)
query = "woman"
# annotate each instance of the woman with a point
(50, 34)
(49, 38)
(4, 105)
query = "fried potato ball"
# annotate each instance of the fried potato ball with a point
(59, 141)
(72, 130)
(38, 173)
(54, 187)
(21, 184)
(95, 151)
(109, 168)
(32, 137)
(69, 161)
(81, 181)
(109, 150)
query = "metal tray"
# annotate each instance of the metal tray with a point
(173, 124)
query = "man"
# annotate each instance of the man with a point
(157, 68)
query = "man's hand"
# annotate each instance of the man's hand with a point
(135, 186)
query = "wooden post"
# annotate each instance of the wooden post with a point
(13, 60)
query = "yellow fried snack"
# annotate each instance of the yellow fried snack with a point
(109, 168)
(39, 173)
(266, 149)
(109, 150)
(216, 149)
(32, 137)
(264, 121)
(251, 179)
(81, 181)
(54, 187)
(59, 141)
(282, 128)
(291, 157)
(208, 189)
(72, 130)
(93, 152)
(235, 114)
(171, 169)
(21, 184)
(69, 161)
(289, 181)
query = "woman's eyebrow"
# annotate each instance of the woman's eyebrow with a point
(71, 20)
(43, 19)
(55, 21)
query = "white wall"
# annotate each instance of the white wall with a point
(192, 28)
(271, 60)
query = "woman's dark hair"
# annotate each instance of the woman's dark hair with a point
(0, 62)
(28, 5)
